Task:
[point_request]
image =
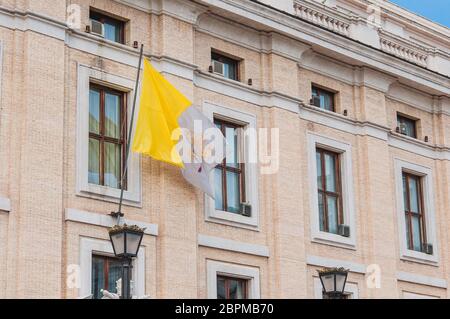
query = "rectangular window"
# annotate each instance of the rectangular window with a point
(225, 66)
(322, 98)
(406, 126)
(329, 190)
(414, 212)
(107, 127)
(112, 29)
(231, 288)
(229, 175)
(105, 272)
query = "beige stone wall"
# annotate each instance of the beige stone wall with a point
(38, 156)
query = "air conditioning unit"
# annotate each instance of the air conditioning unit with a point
(344, 230)
(315, 100)
(427, 249)
(218, 67)
(97, 28)
(246, 209)
(403, 128)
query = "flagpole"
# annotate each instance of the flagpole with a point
(119, 213)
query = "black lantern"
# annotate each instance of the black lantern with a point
(333, 282)
(126, 240)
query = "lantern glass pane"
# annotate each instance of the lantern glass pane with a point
(340, 282)
(328, 282)
(133, 241)
(118, 243)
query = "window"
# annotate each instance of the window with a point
(113, 29)
(413, 203)
(415, 212)
(236, 178)
(231, 288)
(322, 98)
(406, 126)
(232, 281)
(106, 136)
(229, 175)
(105, 272)
(225, 66)
(91, 251)
(329, 190)
(89, 77)
(332, 203)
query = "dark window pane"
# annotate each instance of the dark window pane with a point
(413, 195)
(94, 111)
(407, 126)
(233, 198)
(112, 115)
(332, 207)
(232, 146)
(218, 188)
(417, 242)
(231, 288)
(221, 288)
(114, 274)
(98, 276)
(330, 172)
(321, 212)
(113, 28)
(112, 165)
(326, 98)
(94, 161)
(319, 170)
(230, 66)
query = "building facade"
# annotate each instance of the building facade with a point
(352, 99)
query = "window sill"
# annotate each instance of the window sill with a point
(324, 238)
(421, 258)
(231, 219)
(109, 194)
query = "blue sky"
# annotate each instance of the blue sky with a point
(436, 10)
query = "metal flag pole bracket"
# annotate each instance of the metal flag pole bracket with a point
(119, 213)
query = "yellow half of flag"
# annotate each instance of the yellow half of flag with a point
(160, 107)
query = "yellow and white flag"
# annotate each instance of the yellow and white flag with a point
(165, 115)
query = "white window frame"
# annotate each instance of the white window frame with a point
(87, 75)
(426, 175)
(251, 175)
(216, 268)
(345, 153)
(91, 246)
(350, 289)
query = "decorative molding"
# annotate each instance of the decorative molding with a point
(233, 245)
(5, 204)
(403, 49)
(329, 263)
(421, 279)
(326, 18)
(103, 220)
